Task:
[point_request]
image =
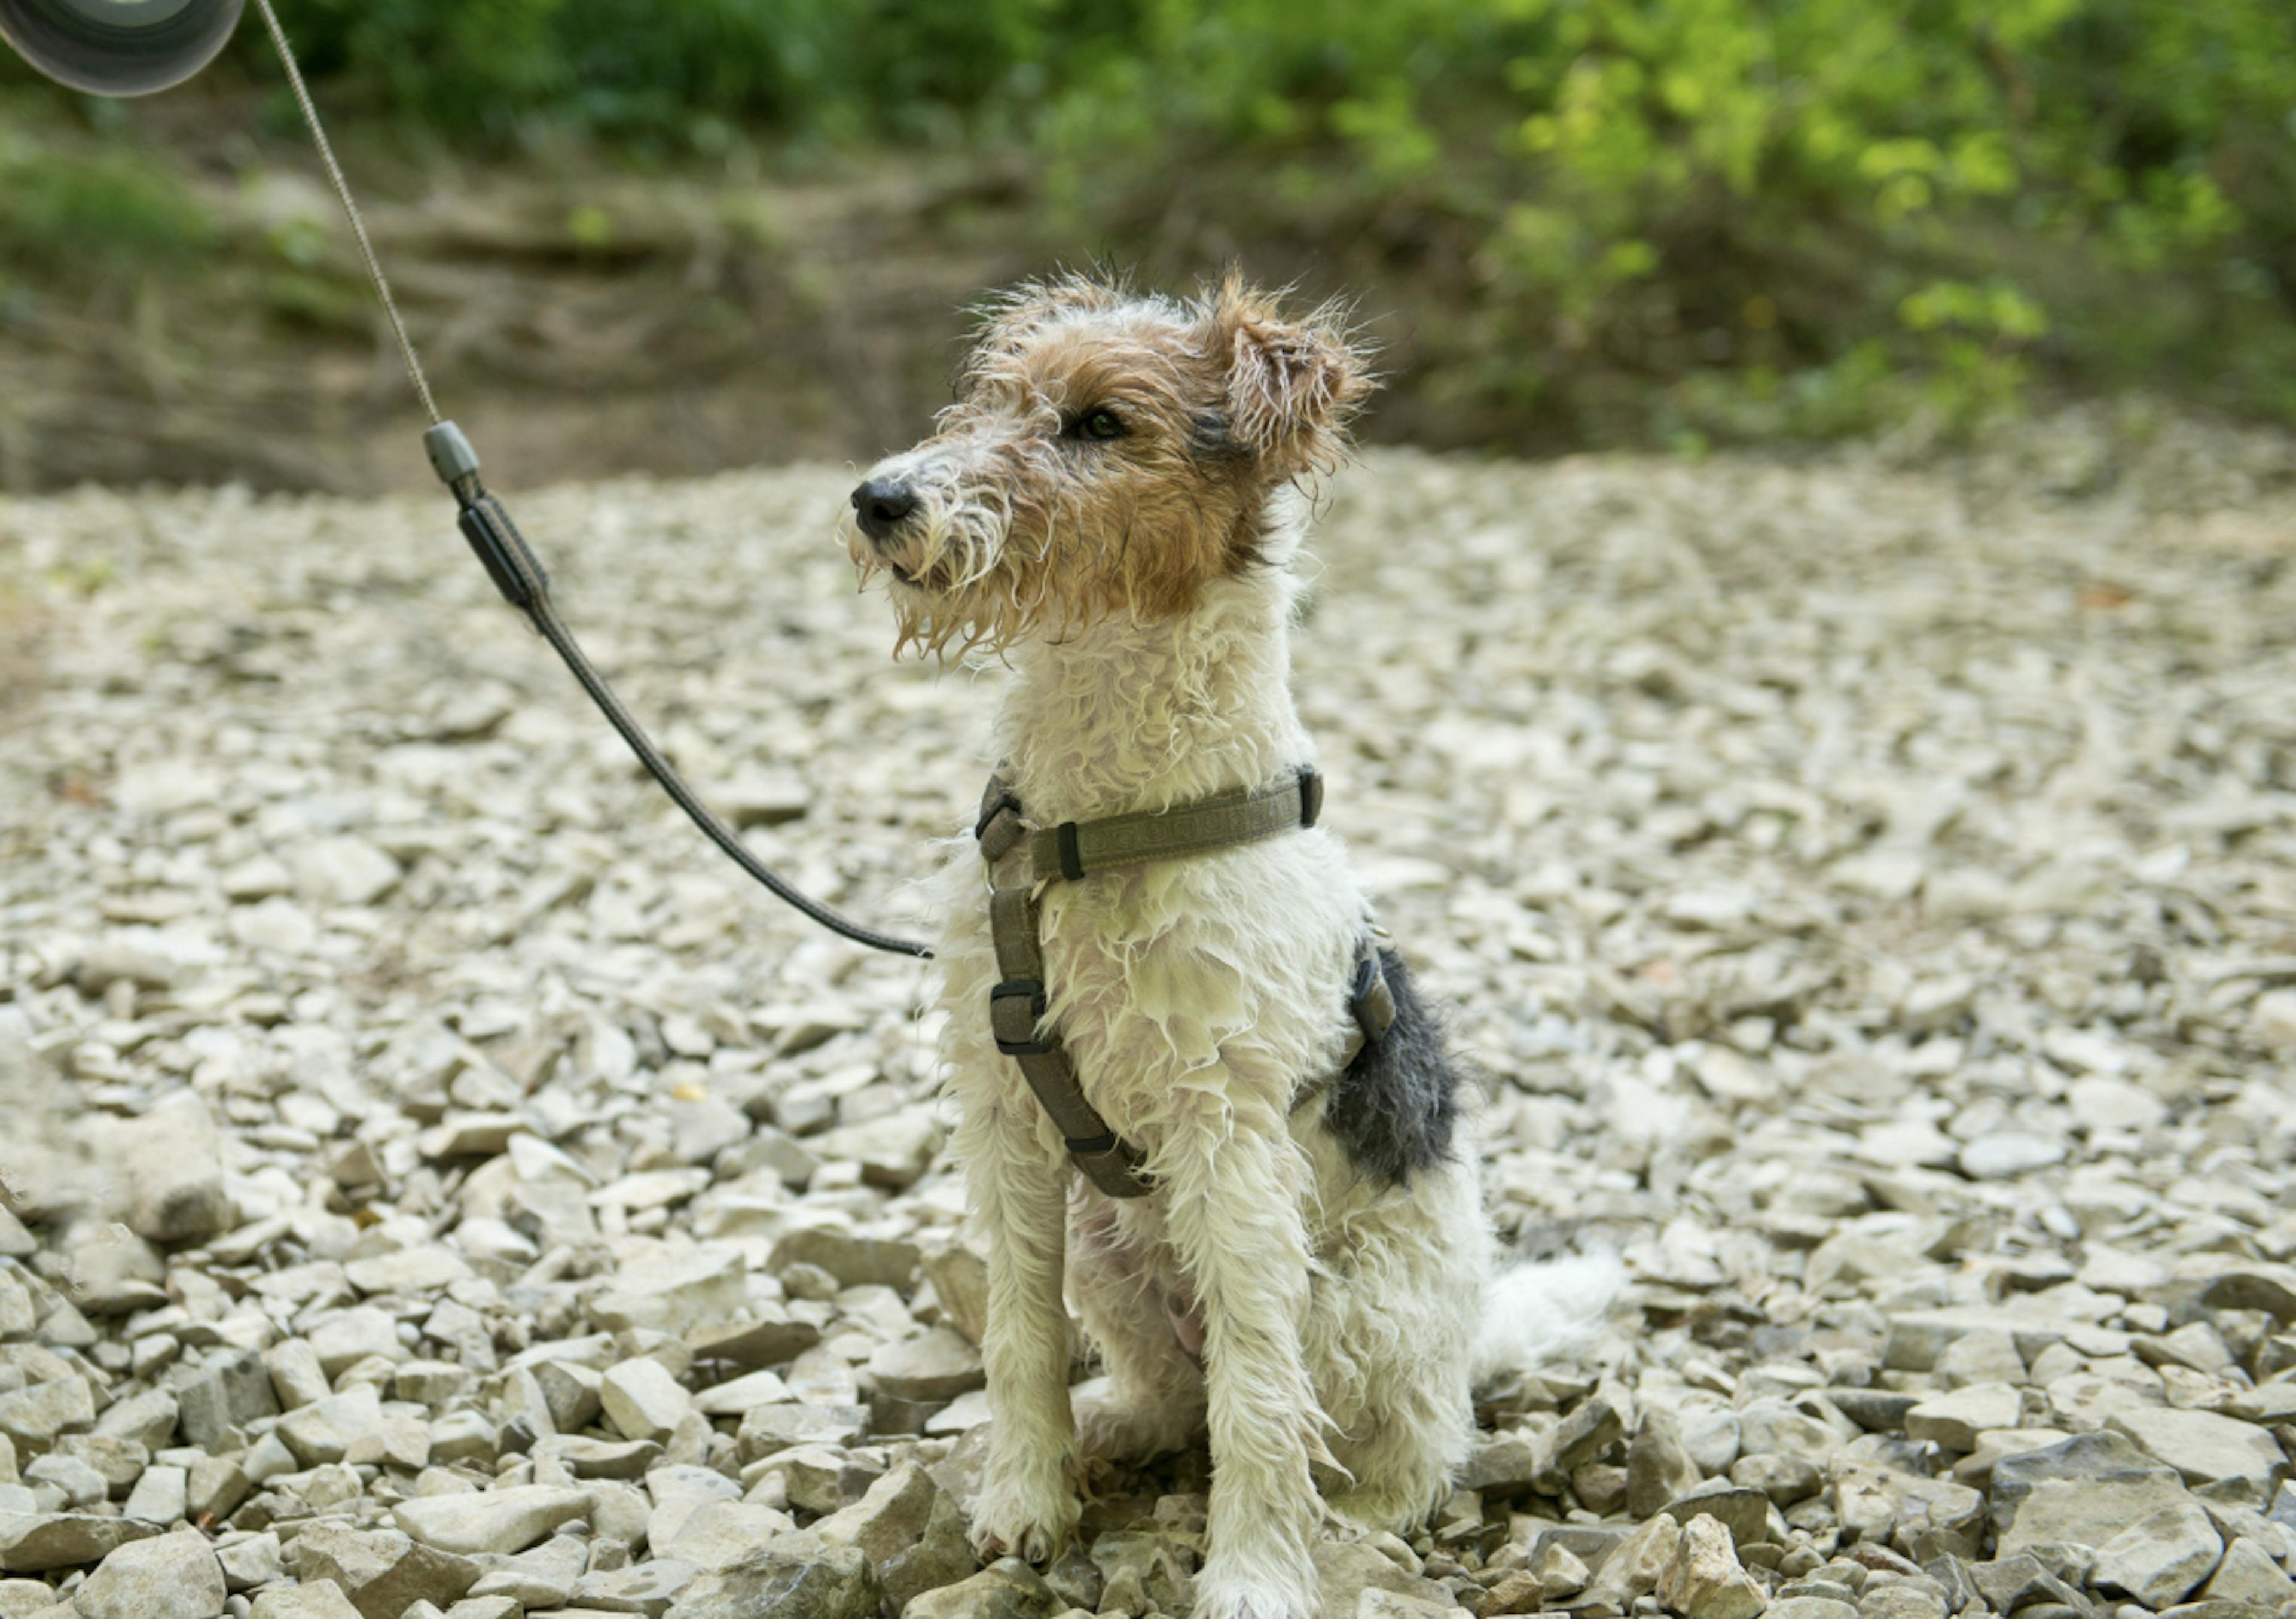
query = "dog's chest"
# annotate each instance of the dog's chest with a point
(1123, 1248)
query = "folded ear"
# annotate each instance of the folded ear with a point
(1292, 385)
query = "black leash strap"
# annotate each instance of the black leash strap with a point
(512, 565)
(485, 522)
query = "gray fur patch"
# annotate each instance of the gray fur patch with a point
(1397, 1106)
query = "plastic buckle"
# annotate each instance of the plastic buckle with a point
(1372, 1002)
(989, 812)
(1311, 795)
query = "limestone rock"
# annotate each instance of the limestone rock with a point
(935, 1366)
(1955, 1420)
(856, 1261)
(892, 1514)
(174, 1576)
(677, 1294)
(1659, 1467)
(642, 1401)
(1703, 1579)
(2248, 1574)
(1636, 1564)
(2082, 1493)
(2204, 1447)
(799, 1576)
(2161, 1558)
(500, 1521)
(171, 1163)
(379, 1572)
(321, 1600)
(34, 1543)
(1008, 1589)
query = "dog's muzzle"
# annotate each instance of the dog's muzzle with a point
(881, 505)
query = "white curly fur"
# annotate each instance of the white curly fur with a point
(1323, 1329)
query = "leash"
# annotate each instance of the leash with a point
(485, 524)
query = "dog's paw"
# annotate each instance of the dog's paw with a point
(1265, 1595)
(1031, 1526)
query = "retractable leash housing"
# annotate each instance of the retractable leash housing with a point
(119, 47)
(133, 47)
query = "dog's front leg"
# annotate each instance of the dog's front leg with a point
(1235, 1220)
(1028, 1506)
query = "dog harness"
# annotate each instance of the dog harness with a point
(1024, 859)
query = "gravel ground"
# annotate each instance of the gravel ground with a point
(433, 1183)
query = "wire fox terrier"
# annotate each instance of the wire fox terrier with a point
(1276, 1235)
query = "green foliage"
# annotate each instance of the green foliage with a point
(93, 218)
(1815, 209)
(1670, 218)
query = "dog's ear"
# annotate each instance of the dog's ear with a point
(1291, 386)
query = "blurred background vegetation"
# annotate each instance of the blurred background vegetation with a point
(1570, 222)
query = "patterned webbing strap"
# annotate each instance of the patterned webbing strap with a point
(1022, 858)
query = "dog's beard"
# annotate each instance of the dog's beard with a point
(971, 579)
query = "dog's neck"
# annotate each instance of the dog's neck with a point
(1130, 715)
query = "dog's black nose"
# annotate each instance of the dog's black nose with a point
(882, 503)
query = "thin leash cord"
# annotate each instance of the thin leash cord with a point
(553, 630)
(350, 208)
(529, 589)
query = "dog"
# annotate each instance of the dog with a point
(1113, 505)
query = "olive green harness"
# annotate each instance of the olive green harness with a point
(1024, 859)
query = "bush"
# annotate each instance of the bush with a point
(1638, 216)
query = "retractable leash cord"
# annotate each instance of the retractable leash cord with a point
(130, 46)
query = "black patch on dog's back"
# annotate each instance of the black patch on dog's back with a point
(1396, 1107)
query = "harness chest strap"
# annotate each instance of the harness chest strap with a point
(1021, 859)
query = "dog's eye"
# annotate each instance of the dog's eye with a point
(1101, 424)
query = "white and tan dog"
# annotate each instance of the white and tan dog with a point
(1113, 503)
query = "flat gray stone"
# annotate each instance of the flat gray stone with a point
(379, 1572)
(769, 1428)
(799, 1576)
(171, 1162)
(224, 1393)
(2248, 1574)
(674, 1296)
(1008, 1589)
(856, 1261)
(36, 1542)
(36, 1416)
(893, 1512)
(173, 1576)
(643, 1588)
(2082, 1492)
(642, 1401)
(935, 1366)
(501, 1520)
(2204, 1447)
(321, 1599)
(771, 1337)
(717, 1534)
(2161, 1558)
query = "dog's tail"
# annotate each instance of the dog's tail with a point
(1535, 1314)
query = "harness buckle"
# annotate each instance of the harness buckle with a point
(991, 810)
(1016, 1029)
(1311, 795)
(1372, 1000)
(1000, 831)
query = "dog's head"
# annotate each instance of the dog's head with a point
(1107, 453)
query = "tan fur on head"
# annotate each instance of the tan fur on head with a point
(1108, 454)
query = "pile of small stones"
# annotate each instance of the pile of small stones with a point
(432, 1184)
